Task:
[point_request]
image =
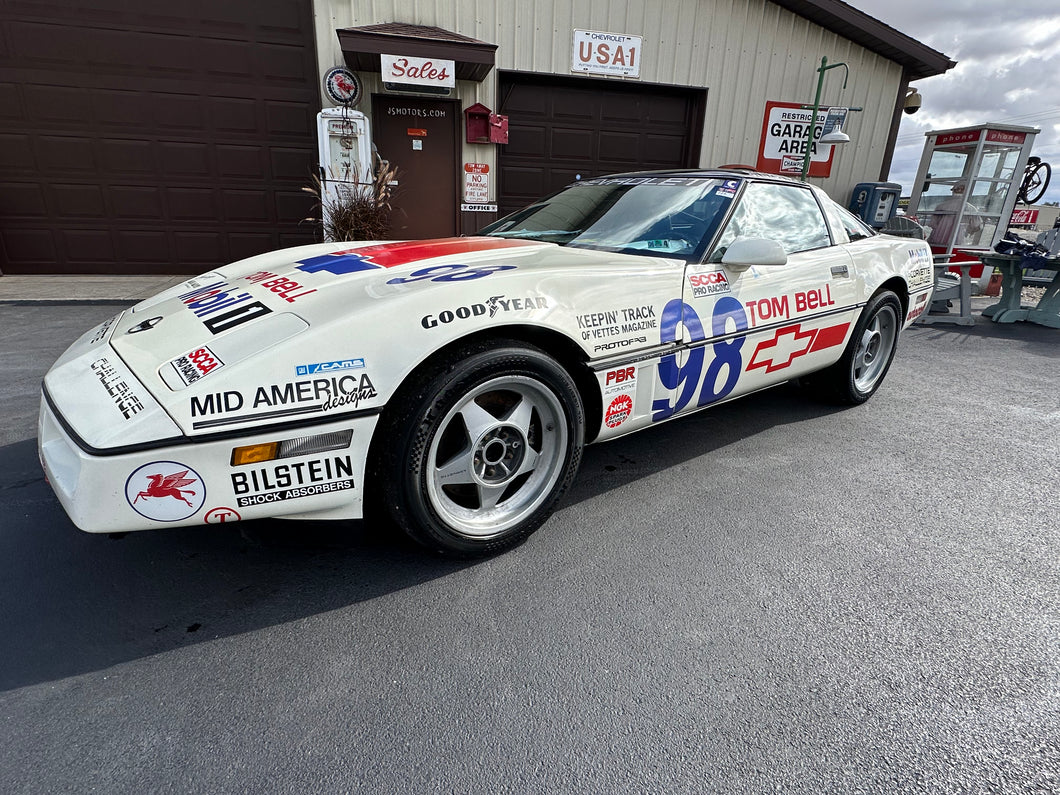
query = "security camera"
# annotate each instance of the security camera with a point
(912, 102)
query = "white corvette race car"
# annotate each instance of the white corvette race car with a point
(455, 381)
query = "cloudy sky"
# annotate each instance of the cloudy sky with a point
(1008, 69)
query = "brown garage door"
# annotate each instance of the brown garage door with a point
(155, 136)
(560, 128)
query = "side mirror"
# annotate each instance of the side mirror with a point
(744, 252)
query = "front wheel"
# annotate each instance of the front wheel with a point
(869, 353)
(480, 449)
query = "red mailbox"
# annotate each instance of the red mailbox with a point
(484, 126)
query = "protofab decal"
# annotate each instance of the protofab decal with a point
(165, 491)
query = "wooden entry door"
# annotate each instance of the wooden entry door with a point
(419, 136)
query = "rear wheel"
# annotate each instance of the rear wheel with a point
(480, 449)
(869, 353)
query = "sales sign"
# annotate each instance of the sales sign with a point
(786, 132)
(601, 53)
(408, 70)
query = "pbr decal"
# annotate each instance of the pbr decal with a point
(193, 365)
(279, 482)
(627, 320)
(705, 285)
(165, 491)
(291, 399)
(791, 342)
(624, 379)
(489, 308)
(619, 410)
(117, 387)
(329, 367)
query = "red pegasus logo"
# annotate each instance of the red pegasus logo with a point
(168, 486)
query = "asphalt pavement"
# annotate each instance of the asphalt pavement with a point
(770, 596)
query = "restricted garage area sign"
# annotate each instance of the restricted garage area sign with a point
(786, 129)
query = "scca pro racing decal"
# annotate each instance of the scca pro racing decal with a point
(193, 365)
(165, 491)
(791, 342)
(391, 255)
(686, 378)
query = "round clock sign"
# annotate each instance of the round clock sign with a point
(343, 87)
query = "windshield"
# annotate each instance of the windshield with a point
(657, 216)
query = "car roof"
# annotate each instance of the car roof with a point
(722, 172)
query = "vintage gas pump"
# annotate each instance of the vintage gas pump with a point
(345, 151)
(966, 187)
(875, 203)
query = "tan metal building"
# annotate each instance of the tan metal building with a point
(705, 70)
(154, 138)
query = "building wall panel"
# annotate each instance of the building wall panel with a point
(744, 52)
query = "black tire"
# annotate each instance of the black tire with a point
(475, 454)
(868, 355)
(1035, 183)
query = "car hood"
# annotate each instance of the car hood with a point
(224, 333)
(251, 306)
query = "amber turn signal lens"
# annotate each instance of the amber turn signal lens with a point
(254, 454)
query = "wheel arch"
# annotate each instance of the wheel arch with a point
(559, 346)
(898, 286)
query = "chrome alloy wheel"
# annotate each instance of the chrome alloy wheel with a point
(875, 347)
(496, 456)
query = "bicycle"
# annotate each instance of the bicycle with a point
(1035, 180)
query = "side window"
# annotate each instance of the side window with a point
(785, 213)
(852, 226)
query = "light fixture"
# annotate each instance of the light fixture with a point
(824, 67)
(836, 136)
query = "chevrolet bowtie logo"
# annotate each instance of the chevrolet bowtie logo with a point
(150, 323)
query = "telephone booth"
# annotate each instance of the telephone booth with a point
(966, 187)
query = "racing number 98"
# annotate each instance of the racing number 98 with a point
(685, 378)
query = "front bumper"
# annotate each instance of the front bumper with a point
(192, 481)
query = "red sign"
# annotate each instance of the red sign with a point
(967, 137)
(1024, 217)
(1005, 137)
(786, 133)
(477, 168)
